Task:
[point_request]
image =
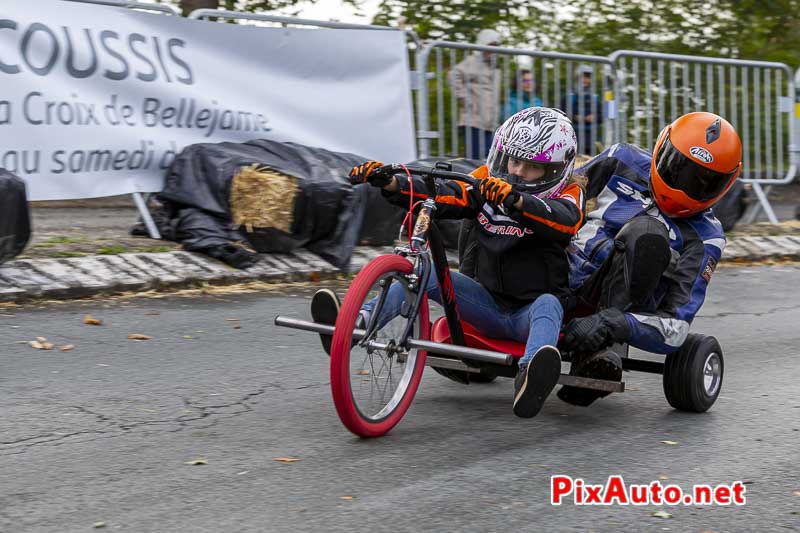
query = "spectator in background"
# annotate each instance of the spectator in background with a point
(522, 94)
(585, 109)
(475, 81)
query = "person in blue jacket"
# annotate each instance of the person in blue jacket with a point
(521, 93)
(641, 264)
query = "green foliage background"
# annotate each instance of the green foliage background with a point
(767, 30)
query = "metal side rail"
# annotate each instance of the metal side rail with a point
(452, 355)
(484, 356)
(565, 379)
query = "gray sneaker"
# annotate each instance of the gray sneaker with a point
(535, 382)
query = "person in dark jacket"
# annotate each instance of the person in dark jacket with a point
(585, 108)
(526, 216)
(641, 265)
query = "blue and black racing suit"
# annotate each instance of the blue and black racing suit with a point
(619, 179)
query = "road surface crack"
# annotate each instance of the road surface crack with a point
(115, 428)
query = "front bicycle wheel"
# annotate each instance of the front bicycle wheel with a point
(374, 381)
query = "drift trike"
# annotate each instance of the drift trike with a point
(375, 369)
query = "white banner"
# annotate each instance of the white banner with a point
(96, 101)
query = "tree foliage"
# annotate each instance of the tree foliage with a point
(750, 29)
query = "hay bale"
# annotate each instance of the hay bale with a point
(262, 197)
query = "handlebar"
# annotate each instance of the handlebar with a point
(427, 172)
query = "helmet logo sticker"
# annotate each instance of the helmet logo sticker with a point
(700, 153)
(713, 131)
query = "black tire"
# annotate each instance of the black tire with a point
(693, 374)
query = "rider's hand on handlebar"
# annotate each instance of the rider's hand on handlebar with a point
(371, 172)
(497, 192)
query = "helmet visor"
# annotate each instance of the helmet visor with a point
(532, 177)
(682, 173)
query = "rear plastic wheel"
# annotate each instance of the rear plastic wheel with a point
(693, 374)
(374, 383)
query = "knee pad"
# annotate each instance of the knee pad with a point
(644, 243)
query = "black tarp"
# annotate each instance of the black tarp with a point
(326, 210)
(330, 216)
(15, 221)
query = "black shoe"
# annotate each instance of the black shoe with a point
(606, 365)
(535, 382)
(324, 310)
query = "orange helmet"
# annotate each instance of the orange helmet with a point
(695, 161)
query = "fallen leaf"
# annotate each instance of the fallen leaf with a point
(286, 459)
(92, 321)
(66, 347)
(661, 514)
(139, 337)
(237, 327)
(152, 313)
(231, 320)
(362, 372)
(98, 525)
(197, 461)
(188, 337)
(663, 476)
(41, 343)
(670, 442)
(347, 497)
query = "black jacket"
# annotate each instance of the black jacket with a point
(521, 256)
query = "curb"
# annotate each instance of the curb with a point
(82, 277)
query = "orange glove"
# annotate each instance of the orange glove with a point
(369, 172)
(496, 191)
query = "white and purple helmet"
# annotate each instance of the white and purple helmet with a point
(540, 135)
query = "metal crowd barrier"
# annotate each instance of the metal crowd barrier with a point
(498, 87)
(755, 96)
(206, 14)
(143, 6)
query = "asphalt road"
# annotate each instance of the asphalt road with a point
(104, 432)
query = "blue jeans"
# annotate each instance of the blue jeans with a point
(536, 324)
